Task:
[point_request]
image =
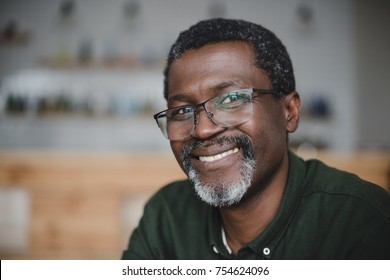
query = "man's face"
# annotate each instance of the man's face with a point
(227, 165)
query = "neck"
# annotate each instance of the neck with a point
(248, 219)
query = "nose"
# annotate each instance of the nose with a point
(204, 125)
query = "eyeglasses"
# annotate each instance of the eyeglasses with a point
(225, 110)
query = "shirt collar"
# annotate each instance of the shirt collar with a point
(215, 234)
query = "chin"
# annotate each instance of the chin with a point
(223, 193)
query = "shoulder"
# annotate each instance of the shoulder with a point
(328, 181)
(175, 199)
(349, 216)
(168, 222)
(174, 192)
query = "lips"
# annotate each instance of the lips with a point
(221, 153)
(218, 156)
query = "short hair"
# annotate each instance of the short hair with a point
(270, 54)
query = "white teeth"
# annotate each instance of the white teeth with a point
(218, 156)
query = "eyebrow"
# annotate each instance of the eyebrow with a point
(218, 87)
(227, 84)
(178, 97)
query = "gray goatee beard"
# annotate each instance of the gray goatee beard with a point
(222, 194)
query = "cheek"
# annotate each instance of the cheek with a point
(268, 136)
(177, 148)
(267, 129)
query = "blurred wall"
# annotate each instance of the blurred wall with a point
(329, 42)
(373, 60)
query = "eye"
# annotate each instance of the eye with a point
(181, 113)
(231, 100)
(231, 97)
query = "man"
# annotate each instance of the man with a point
(230, 90)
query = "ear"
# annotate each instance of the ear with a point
(292, 103)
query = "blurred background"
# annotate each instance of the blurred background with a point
(80, 79)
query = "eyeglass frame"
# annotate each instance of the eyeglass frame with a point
(210, 115)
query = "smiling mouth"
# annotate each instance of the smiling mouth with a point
(218, 156)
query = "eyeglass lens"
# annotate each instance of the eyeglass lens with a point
(226, 110)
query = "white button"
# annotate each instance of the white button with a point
(266, 251)
(215, 249)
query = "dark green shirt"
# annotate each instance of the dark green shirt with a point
(325, 214)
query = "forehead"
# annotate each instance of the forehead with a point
(200, 70)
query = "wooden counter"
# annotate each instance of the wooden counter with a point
(84, 206)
